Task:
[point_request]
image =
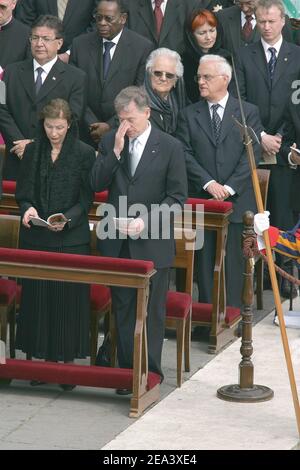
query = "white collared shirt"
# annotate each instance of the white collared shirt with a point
(276, 46)
(46, 68)
(243, 20)
(222, 104)
(141, 141)
(162, 6)
(115, 40)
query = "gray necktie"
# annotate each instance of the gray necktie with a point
(134, 156)
(106, 57)
(61, 8)
(38, 82)
(216, 122)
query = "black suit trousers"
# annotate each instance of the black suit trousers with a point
(124, 301)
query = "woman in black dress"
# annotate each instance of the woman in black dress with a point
(165, 88)
(54, 177)
(201, 37)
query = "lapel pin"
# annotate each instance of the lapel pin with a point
(285, 59)
(53, 78)
(153, 151)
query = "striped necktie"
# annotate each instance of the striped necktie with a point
(216, 122)
(61, 8)
(272, 61)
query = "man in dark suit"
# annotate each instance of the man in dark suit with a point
(33, 83)
(76, 15)
(238, 26)
(266, 71)
(12, 33)
(113, 58)
(161, 21)
(143, 166)
(217, 167)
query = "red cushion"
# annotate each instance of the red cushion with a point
(8, 187)
(12, 255)
(202, 312)
(91, 376)
(100, 297)
(101, 197)
(210, 205)
(178, 304)
(8, 290)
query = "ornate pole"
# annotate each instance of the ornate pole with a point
(246, 391)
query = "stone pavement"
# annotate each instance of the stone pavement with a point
(192, 417)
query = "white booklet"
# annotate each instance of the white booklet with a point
(52, 220)
(122, 222)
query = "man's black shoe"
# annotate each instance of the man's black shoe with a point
(123, 391)
(67, 387)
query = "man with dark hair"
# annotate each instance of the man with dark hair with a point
(144, 166)
(31, 84)
(14, 45)
(161, 21)
(76, 15)
(113, 58)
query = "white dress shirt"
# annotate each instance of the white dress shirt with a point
(243, 20)
(46, 68)
(276, 46)
(222, 104)
(115, 40)
(162, 6)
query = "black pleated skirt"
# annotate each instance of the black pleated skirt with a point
(53, 322)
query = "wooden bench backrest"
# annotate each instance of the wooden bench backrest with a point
(9, 231)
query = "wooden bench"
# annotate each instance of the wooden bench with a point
(97, 270)
(222, 320)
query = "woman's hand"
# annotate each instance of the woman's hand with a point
(31, 212)
(57, 227)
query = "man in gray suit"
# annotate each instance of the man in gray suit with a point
(238, 26)
(217, 167)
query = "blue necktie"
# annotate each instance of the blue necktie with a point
(272, 61)
(106, 57)
(216, 122)
(38, 82)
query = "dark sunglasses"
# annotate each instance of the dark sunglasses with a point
(159, 74)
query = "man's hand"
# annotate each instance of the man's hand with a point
(19, 147)
(261, 222)
(134, 228)
(97, 130)
(31, 212)
(271, 143)
(218, 191)
(120, 137)
(295, 156)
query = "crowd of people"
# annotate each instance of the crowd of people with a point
(147, 85)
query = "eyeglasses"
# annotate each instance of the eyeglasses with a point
(44, 39)
(206, 78)
(167, 75)
(107, 19)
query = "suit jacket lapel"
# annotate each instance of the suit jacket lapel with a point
(146, 13)
(228, 121)
(53, 78)
(169, 17)
(260, 62)
(282, 62)
(27, 79)
(151, 151)
(69, 10)
(204, 120)
(96, 53)
(52, 7)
